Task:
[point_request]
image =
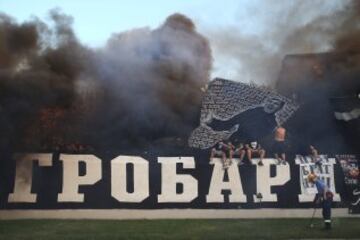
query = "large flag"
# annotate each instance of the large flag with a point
(237, 110)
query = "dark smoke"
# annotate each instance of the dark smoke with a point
(314, 44)
(348, 36)
(38, 69)
(142, 86)
(288, 27)
(145, 85)
(319, 81)
(152, 81)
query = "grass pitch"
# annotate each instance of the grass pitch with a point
(348, 228)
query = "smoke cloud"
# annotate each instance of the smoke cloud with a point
(153, 79)
(141, 86)
(287, 27)
(145, 84)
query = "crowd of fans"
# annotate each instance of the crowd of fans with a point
(245, 152)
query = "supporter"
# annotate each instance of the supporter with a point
(255, 148)
(314, 154)
(323, 197)
(229, 152)
(279, 146)
(240, 151)
(225, 150)
(218, 151)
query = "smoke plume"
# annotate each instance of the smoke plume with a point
(152, 80)
(288, 27)
(141, 86)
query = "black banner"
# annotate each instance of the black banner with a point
(156, 181)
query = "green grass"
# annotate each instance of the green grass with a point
(176, 229)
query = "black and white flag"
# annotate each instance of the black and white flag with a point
(241, 111)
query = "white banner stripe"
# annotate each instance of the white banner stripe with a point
(170, 213)
(347, 116)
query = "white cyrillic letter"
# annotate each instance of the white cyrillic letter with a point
(265, 182)
(119, 179)
(23, 179)
(71, 178)
(169, 180)
(217, 184)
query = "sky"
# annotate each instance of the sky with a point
(95, 21)
(232, 26)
